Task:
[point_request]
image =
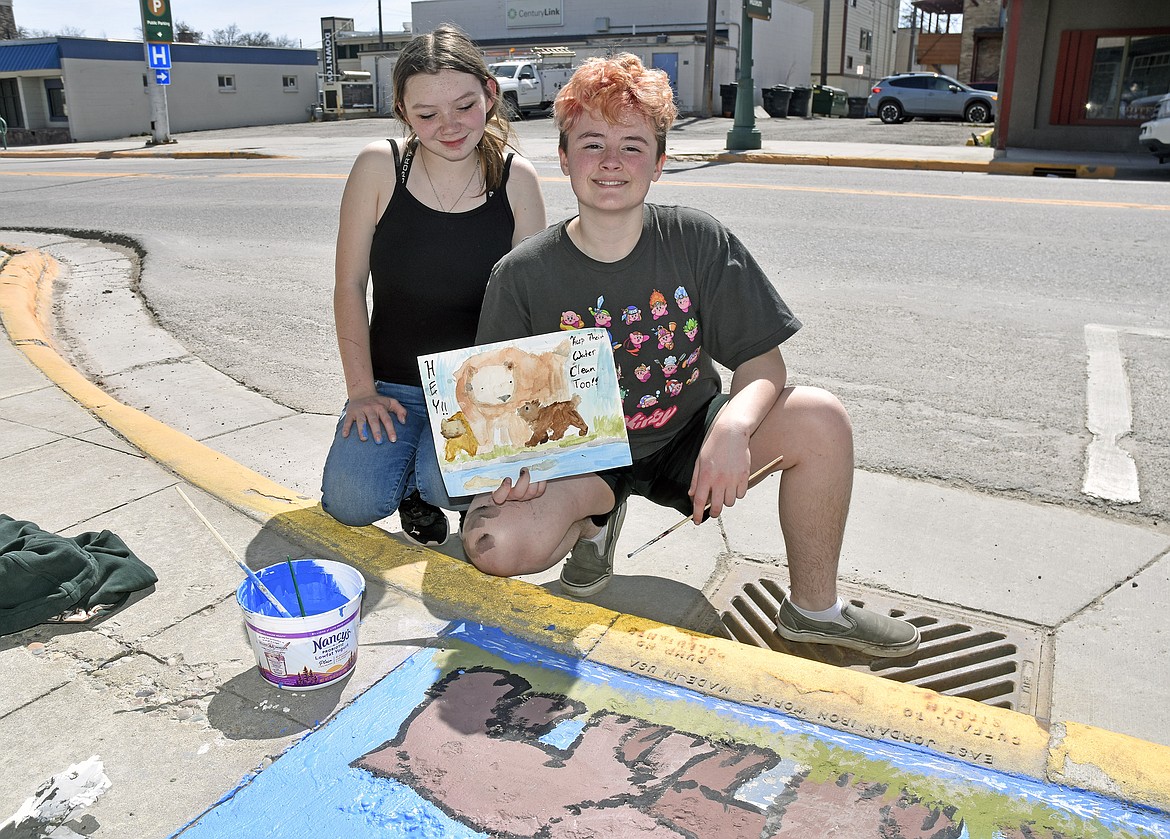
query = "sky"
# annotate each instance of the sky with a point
(298, 19)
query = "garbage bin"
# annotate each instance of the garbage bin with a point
(776, 99)
(857, 106)
(798, 102)
(727, 93)
(829, 101)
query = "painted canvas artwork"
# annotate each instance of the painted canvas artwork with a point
(549, 402)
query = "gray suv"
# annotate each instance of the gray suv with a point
(903, 96)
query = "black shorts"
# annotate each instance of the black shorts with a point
(664, 477)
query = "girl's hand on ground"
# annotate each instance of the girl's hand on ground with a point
(371, 416)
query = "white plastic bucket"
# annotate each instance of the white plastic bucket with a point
(310, 652)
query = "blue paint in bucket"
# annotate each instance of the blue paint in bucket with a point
(310, 651)
(320, 590)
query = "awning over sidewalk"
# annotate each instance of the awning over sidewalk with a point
(939, 7)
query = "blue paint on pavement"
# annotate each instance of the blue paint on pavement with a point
(311, 791)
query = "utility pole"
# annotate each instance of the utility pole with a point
(913, 38)
(377, 58)
(744, 135)
(707, 106)
(825, 44)
(157, 28)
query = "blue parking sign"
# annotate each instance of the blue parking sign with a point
(158, 56)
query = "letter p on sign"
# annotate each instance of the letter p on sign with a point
(158, 8)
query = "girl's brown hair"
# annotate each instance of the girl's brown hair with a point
(449, 48)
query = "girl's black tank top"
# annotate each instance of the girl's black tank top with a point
(429, 272)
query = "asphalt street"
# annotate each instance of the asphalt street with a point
(948, 308)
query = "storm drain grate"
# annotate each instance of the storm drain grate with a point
(1054, 171)
(984, 658)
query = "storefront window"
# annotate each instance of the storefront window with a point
(55, 93)
(1129, 75)
(10, 103)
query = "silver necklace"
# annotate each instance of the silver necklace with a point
(466, 186)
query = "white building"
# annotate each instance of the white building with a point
(62, 89)
(667, 34)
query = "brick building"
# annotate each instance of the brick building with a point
(981, 45)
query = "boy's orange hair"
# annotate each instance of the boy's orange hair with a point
(616, 88)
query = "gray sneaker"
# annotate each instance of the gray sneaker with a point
(868, 631)
(588, 568)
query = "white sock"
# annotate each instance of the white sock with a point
(830, 615)
(598, 538)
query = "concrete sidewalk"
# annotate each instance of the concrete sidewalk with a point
(167, 688)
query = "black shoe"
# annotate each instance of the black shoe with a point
(422, 523)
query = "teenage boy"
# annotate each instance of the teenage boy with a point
(677, 292)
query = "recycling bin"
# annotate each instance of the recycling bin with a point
(829, 101)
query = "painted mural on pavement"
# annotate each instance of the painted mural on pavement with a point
(486, 735)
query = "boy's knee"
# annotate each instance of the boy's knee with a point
(823, 400)
(478, 540)
(487, 545)
(825, 411)
(484, 551)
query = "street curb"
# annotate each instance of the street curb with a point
(145, 153)
(992, 167)
(1104, 762)
(1007, 167)
(834, 160)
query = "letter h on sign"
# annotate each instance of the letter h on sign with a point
(160, 56)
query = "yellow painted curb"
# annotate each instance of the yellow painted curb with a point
(21, 294)
(1009, 167)
(871, 707)
(978, 167)
(1073, 754)
(140, 153)
(1120, 766)
(836, 160)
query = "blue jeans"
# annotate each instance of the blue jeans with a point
(365, 481)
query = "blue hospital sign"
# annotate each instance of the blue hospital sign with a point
(159, 56)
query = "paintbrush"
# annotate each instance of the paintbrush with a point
(753, 476)
(251, 574)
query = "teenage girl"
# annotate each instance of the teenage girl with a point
(425, 219)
